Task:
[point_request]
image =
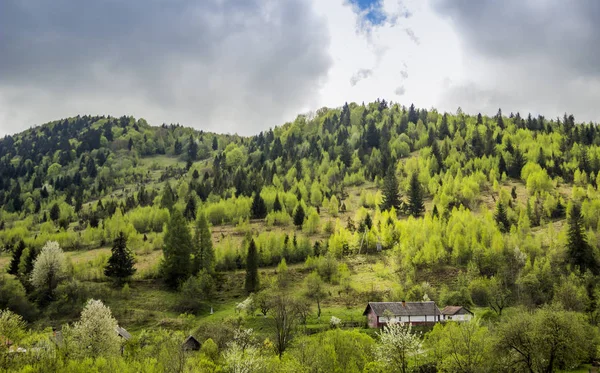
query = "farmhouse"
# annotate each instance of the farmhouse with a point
(456, 313)
(416, 313)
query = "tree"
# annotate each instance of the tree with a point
(285, 314)
(204, 253)
(94, 335)
(397, 344)
(415, 196)
(215, 143)
(177, 250)
(346, 154)
(501, 217)
(372, 135)
(315, 290)
(13, 267)
(579, 251)
(120, 266)
(259, 208)
(130, 144)
(299, 215)
(517, 164)
(190, 208)
(252, 282)
(196, 290)
(178, 147)
(49, 268)
(192, 149)
(391, 194)
(168, 198)
(55, 212)
(12, 327)
(277, 204)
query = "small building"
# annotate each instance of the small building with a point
(415, 313)
(121, 332)
(191, 344)
(456, 313)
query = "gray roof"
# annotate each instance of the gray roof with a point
(123, 333)
(406, 309)
(454, 310)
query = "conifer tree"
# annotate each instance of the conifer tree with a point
(501, 217)
(120, 266)
(177, 250)
(252, 281)
(130, 144)
(259, 208)
(580, 252)
(299, 215)
(277, 204)
(168, 198)
(215, 143)
(178, 147)
(518, 161)
(501, 165)
(190, 209)
(55, 212)
(204, 253)
(391, 194)
(192, 149)
(346, 154)
(415, 196)
(443, 129)
(13, 268)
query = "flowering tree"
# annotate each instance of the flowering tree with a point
(95, 333)
(241, 356)
(49, 268)
(397, 344)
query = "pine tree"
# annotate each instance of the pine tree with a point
(501, 217)
(346, 154)
(391, 194)
(204, 253)
(580, 252)
(215, 143)
(415, 196)
(120, 266)
(168, 198)
(517, 164)
(259, 208)
(130, 144)
(501, 165)
(190, 208)
(277, 204)
(178, 147)
(192, 149)
(299, 215)
(443, 130)
(13, 268)
(177, 250)
(252, 281)
(372, 135)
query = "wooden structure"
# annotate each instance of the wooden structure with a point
(415, 313)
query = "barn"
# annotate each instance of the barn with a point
(456, 313)
(415, 313)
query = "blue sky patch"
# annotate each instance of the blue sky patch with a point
(370, 10)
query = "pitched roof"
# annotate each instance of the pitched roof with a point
(404, 308)
(123, 333)
(191, 343)
(453, 310)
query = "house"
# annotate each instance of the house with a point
(456, 313)
(414, 313)
(191, 344)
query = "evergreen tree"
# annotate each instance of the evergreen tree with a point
(372, 135)
(501, 217)
(501, 165)
(391, 193)
(580, 252)
(130, 144)
(517, 164)
(252, 281)
(415, 196)
(190, 208)
(435, 212)
(192, 149)
(204, 254)
(299, 215)
(277, 204)
(346, 154)
(168, 198)
(13, 268)
(120, 266)
(177, 250)
(55, 212)
(215, 143)
(178, 147)
(443, 130)
(259, 208)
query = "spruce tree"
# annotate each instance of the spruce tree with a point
(415, 196)
(192, 149)
(120, 266)
(518, 161)
(252, 281)
(55, 212)
(391, 194)
(346, 154)
(299, 215)
(204, 253)
(501, 165)
(501, 217)
(13, 268)
(215, 143)
(277, 204)
(130, 144)
(177, 250)
(443, 130)
(580, 252)
(259, 208)
(190, 209)
(168, 198)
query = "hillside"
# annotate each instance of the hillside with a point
(497, 214)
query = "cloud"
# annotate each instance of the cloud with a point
(360, 75)
(527, 55)
(404, 74)
(400, 91)
(226, 65)
(412, 36)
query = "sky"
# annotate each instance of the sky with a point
(243, 66)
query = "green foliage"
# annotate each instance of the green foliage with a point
(580, 252)
(252, 282)
(415, 196)
(177, 250)
(120, 266)
(204, 253)
(391, 193)
(259, 208)
(299, 215)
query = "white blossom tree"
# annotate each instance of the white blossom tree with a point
(397, 344)
(241, 355)
(49, 268)
(95, 334)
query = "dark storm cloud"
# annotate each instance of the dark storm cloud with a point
(228, 65)
(532, 55)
